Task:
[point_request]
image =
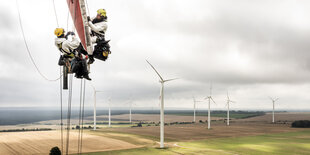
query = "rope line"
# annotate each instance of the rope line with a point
(82, 117)
(55, 13)
(61, 118)
(69, 111)
(26, 44)
(87, 7)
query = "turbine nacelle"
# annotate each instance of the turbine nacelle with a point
(273, 100)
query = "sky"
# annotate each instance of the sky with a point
(253, 49)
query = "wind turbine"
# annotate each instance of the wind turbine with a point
(130, 107)
(273, 101)
(195, 101)
(209, 98)
(162, 81)
(95, 96)
(228, 101)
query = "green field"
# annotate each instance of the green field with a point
(282, 144)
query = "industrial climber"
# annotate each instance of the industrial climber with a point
(98, 26)
(73, 51)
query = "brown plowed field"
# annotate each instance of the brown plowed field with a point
(239, 127)
(40, 142)
(279, 117)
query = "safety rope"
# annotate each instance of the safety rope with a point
(67, 20)
(69, 111)
(87, 7)
(55, 13)
(80, 113)
(82, 117)
(60, 82)
(61, 118)
(26, 44)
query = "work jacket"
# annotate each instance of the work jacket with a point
(66, 46)
(99, 28)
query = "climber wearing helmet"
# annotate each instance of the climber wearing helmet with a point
(98, 26)
(72, 50)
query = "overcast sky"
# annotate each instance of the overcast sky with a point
(253, 49)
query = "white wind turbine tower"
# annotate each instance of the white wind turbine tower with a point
(95, 99)
(130, 108)
(228, 101)
(162, 81)
(195, 101)
(209, 98)
(273, 101)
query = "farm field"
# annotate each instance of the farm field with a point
(40, 142)
(256, 135)
(284, 143)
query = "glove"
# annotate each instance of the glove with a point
(88, 18)
(70, 33)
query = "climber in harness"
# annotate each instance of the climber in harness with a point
(98, 26)
(72, 51)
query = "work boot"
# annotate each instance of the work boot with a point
(87, 77)
(91, 59)
(78, 76)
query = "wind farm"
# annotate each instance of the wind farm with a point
(154, 77)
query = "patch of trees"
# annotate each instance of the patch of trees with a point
(84, 127)
(23, 130)
(301, 124)
(139, 124)
(173, 123)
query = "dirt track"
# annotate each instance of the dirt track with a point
(40, 142)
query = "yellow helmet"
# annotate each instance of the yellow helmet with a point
(59, 31)
(105, 53)
(102, 12)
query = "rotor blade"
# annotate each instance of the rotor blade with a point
(210, 88)
(155, 70)
(212, 100)
(270, 98)
(227, 95)
(276, 99)
(171, 79)
(232, 101)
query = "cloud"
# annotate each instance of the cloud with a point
(252, 48)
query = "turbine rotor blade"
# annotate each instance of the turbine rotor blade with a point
(227, 95)
(210, 89)
(276, 99)
(212, 100)
(155, 70)
(171, 79)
